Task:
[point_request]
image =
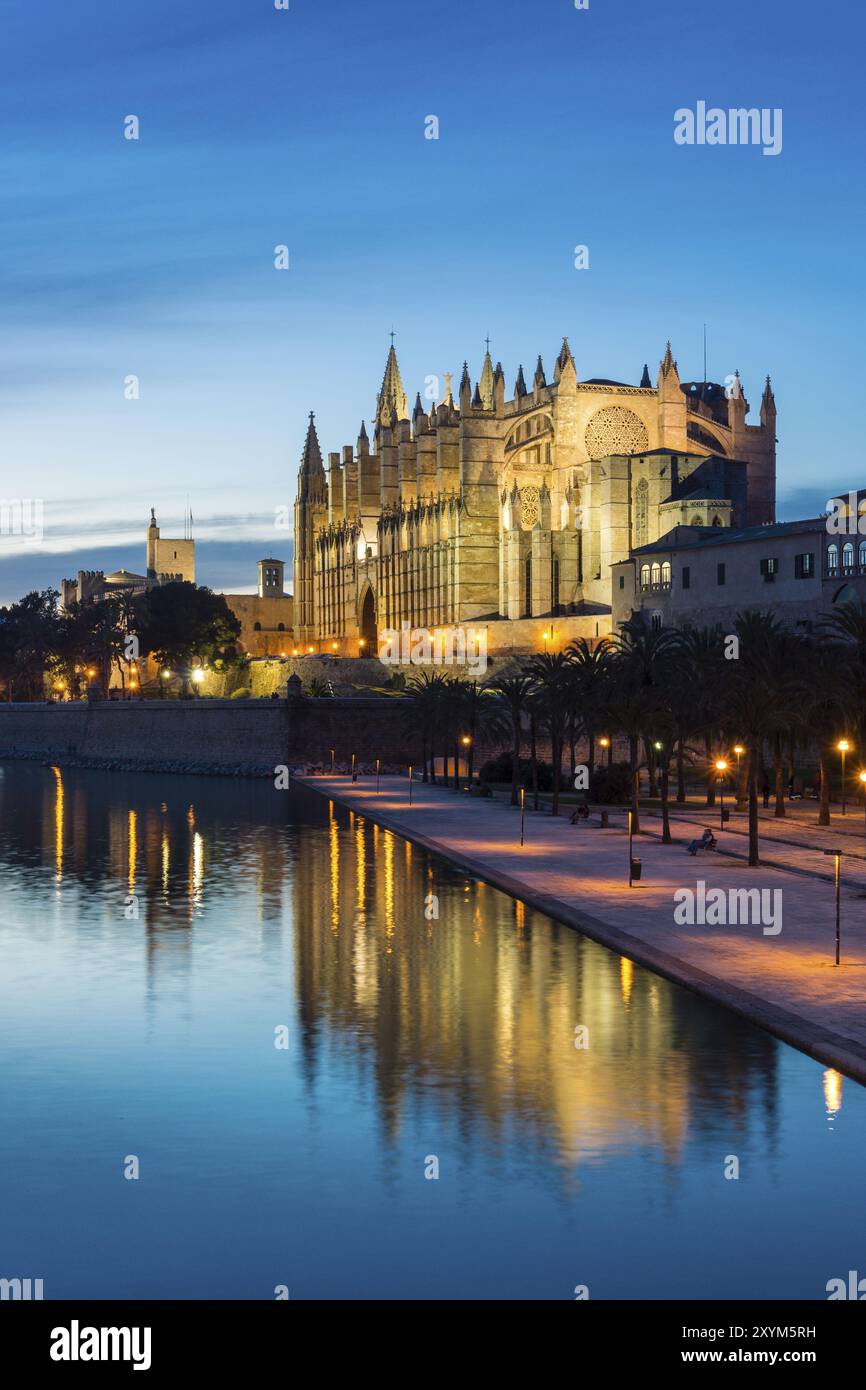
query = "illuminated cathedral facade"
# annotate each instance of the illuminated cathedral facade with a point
(509, 511)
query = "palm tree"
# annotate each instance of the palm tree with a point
(752, 704)
(424, 712)
(512, 694)
(550, 671)
(591, 669)
(642, 663)
(703, 673)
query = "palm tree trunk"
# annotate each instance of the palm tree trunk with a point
(635, 783)
(515, 759)
(556, 750)
(753, 805)
(711, 781)
(666, 819)
(681, 771)
(533, 753)
(824, 811)
(590, 756)
(780, 785)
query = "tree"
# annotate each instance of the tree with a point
(550, 672)
(182, 623)
(28, 637)
(512, 694)
(642, 661)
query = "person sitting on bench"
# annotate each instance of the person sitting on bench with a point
(579, 813)
(707, 841)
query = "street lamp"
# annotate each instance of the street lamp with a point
(863, 785)
(410, 784)
(467, 742)
(545, 636)
(605, 743)
(843, 746)
(721, 769)
(522, 811)
(739, 750)
(377, 774)
(837, 855)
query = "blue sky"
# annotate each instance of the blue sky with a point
(306, 127)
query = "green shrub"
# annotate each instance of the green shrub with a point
(498, 769)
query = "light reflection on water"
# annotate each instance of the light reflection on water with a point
(156, 931)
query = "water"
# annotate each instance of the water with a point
(408, 1039)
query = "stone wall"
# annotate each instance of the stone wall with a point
(219, 736)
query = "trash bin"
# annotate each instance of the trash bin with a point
(726, 815)
(605, 820)
(635, 870)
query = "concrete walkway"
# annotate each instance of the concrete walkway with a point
(786, 982)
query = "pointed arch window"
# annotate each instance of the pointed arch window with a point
(641, 513)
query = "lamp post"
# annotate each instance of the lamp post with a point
(353, 768)
(377, 776)
(843, 746)
(333, 756)
(605, 743)
(721, 769)
(410, 784)
(739, 750)
(631, 862)
(837, 854)
(863, 785)
(522, 811)
(467, 743)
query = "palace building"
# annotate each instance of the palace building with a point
(508, 513)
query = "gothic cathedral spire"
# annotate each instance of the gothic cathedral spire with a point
(392, 398)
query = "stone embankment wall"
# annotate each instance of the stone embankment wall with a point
(249, 737)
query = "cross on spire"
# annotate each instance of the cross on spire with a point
(487, 341)
(392, 337)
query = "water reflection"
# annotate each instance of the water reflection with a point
(427, 1012)
(445, 990)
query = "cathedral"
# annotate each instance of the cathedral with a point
(508, 513)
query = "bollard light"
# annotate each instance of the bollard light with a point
(522, 811)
